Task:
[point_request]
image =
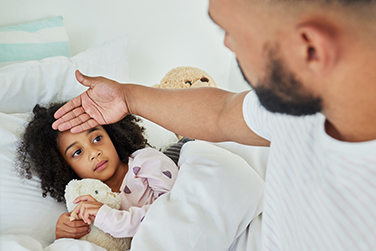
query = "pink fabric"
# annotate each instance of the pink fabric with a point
(150, 175)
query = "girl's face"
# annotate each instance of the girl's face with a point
(90, 154)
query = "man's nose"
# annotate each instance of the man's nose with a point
(227, 41)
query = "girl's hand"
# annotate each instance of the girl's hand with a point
(70, 229)
(87, 208)
(103, 103)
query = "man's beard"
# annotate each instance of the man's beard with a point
(279, 91)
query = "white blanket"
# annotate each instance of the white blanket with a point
(215, 204)
(215, 197)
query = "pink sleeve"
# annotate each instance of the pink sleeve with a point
(157, 168)
(160, 172)
(120, 223)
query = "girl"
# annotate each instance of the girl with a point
(116, 154)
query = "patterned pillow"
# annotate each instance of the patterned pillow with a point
(34, 41)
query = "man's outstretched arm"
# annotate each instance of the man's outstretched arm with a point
(203, 113)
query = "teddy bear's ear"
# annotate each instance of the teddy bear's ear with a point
(71, 193)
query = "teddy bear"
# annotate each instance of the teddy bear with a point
(185, 77)
(102, 193)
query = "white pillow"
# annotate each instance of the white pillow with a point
(23, 209)
(23, 85)
(34, 41)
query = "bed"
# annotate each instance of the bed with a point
(216, 202)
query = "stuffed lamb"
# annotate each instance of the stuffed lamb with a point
(102, 193)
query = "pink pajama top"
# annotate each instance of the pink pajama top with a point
(150, 174)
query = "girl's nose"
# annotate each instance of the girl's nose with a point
(96, 154)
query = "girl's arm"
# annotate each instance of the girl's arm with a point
(161, 175)
(160, 172)
(120, 223)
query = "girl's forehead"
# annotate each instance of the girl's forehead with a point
(97, 128)
(66, 137)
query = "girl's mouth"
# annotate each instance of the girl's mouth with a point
(101, 165)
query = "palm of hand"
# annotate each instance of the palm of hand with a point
(104, 103)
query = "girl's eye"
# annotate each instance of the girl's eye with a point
(76, 153)
(97, 139)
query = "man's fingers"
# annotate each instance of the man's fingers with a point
(84, 80)
(74, 103)
(76, 121)
(79, 76)
(91, 123)
(70, 120)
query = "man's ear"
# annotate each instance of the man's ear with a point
(310, 48)
(318, 47)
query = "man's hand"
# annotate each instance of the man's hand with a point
(103, 103)
(70, 229)
(87, 208)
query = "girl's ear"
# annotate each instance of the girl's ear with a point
(318, 46)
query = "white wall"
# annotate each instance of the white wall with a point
(163, 34)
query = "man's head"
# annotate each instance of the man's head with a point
(296, 53)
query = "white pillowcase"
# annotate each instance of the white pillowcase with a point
(23, 209)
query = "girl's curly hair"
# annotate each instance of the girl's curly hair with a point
(38, 153)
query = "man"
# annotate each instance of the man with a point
(311, 64)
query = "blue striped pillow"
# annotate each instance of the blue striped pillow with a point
(34, 41)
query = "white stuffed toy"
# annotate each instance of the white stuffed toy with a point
(102, 193)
